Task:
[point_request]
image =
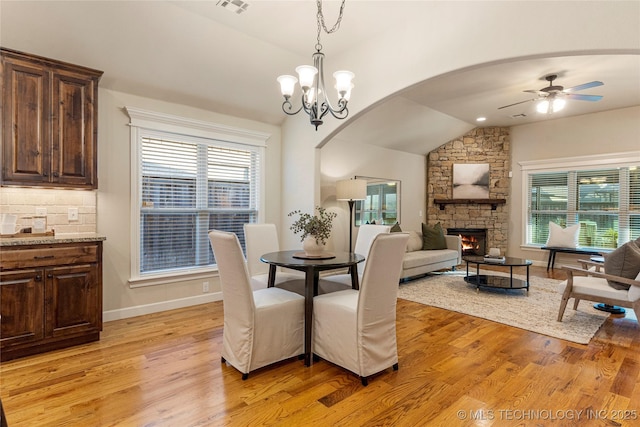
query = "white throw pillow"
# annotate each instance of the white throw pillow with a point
(563, 237)
(634, 291)
(415, 241)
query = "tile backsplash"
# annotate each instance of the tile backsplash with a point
(29, 202)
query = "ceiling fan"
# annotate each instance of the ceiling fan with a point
(555, 96)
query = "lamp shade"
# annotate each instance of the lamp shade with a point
(553, 106)
(542, 107)
(306, 74)
(351, 189)
(287, 85)
(558, 104)
(343, 82)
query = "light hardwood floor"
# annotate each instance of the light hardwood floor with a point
(455, 370)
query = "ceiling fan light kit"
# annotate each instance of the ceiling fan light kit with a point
(553, 98)
(548, 107)
(314, 100)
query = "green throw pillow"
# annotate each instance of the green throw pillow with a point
(396, 228)
(623, 262)
(433, 237)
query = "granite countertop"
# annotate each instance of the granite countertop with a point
(48, 240)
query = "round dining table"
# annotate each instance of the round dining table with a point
(311, 266)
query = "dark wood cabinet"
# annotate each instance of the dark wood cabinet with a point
(50, 297)
(49, 122)
(21, 323)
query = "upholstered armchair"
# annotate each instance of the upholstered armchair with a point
(592, 284)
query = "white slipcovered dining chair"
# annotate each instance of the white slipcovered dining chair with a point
(366, 234)
(357, 329)
(261, 239)
(260, 327)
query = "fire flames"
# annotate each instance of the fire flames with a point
(469, 244)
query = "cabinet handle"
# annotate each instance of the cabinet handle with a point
(44, 256)
(38, 278)
(56, 174)
(49, 275)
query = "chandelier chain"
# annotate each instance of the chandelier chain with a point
(322, 25)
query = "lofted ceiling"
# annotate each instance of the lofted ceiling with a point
(199, 54)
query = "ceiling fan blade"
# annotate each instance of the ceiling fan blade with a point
(511, 105)
(580, 97)
(584, 86)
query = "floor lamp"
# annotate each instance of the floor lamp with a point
(351, 190)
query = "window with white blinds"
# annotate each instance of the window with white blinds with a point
(604, 201)
(186, 186)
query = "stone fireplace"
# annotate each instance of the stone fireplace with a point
(474, 240)
(481, 145)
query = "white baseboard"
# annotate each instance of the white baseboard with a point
(125, 313)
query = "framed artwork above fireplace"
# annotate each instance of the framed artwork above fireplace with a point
(471, 181)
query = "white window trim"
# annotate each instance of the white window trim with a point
(630, 158)
(143, 120)
(613, 160)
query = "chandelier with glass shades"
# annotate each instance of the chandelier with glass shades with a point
(314, 100)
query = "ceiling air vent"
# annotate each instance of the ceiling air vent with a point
(519, 116)
(237, 6)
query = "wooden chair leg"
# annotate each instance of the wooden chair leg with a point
(636, 309)
(566, 295)
(575, 303)
(563, 306)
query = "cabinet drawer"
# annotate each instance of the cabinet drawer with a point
(42, 257)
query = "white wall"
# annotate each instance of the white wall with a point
(343, 160)
(613, 131)
(113, 205)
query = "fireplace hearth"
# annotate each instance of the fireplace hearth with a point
(474, 240)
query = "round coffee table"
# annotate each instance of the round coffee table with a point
(492, 281)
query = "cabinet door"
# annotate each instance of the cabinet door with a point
(73, 129)
(25, 123)
(74, 300)
(21, 307)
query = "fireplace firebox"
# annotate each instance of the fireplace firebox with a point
(474, 240)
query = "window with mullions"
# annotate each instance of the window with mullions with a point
(187, 189)
(605, 202)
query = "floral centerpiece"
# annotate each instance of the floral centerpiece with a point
(313, 228)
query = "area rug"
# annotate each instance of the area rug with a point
(536, 312)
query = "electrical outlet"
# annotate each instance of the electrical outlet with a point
(205, 287)
(41, 211)
(72, 214)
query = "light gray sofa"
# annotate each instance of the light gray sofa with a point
(418, 262)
